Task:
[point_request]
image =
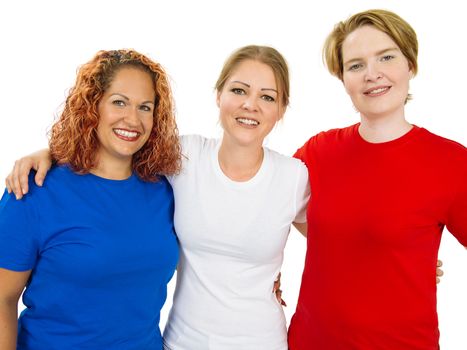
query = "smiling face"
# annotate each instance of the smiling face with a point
(376, 74)
(125, 116)
(248, 103)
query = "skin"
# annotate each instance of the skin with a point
(126, 117)
(248, 110)
(128, 105)
(376, 76)
(12, 283)
(248, 94)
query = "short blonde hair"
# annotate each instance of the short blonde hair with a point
(386, 21)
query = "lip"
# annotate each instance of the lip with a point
(126, 134)
(377, 91)
(247, 122)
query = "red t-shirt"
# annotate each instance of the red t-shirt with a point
(374, 226)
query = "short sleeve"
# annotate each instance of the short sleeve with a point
(302, 194)
(18, 233)
(457, 214)
(190, 145)
(303, 153)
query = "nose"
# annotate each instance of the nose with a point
(373, 72)
(250, 103)
(131, 115)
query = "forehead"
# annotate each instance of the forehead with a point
(254, 73)
(366, 41)
(131, 80)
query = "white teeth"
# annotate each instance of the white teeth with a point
(125, 133)
(247, 121)
(377, 91)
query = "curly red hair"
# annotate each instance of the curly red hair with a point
(73, 137)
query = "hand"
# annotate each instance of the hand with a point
(17, 180)
(439, 272)
(276, 289)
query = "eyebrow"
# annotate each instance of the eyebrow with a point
(248, 85)
(127, 99)
(381, 52)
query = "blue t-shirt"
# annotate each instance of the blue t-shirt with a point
(101, 253)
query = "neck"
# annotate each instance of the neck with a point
(112, 170)
(240, 163)
(383, 129)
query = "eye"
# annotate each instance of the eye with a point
(387, 58)
(238, 91)
(119, 103)
(268, 98)
(146, 108)
(355, 67)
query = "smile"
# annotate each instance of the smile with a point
(126, 134)
(377, 91)
(247, 121)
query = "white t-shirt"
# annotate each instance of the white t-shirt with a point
(232, 237)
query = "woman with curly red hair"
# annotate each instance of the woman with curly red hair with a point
(98, 238)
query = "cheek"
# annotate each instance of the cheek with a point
(274, 113)
(148, 123)
(346, 82)
(226, 106)
(350, 87)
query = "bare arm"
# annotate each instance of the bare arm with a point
(17, 180)
(302, 227)
(12, 284)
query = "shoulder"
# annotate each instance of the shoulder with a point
(194, 144)
(443, 141)
(448, 149)
(333, 135)
(324, 139)
(283, 159)
(287, 164)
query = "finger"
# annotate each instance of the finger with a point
(278, 278)
(24, 169)
(279, 298)
(14, 181)
(40, 175)
(439, 263)
(7, 185)
(279, 295)
(437, 280)
(277, 282)
(439, 272)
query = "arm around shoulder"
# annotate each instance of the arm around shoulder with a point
(17, 180)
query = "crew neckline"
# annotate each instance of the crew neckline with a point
(239, 184)
(413, 132)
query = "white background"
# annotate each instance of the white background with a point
(43, 42)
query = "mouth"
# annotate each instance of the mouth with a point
(127, 135)
(378, 91)
(247, 121)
